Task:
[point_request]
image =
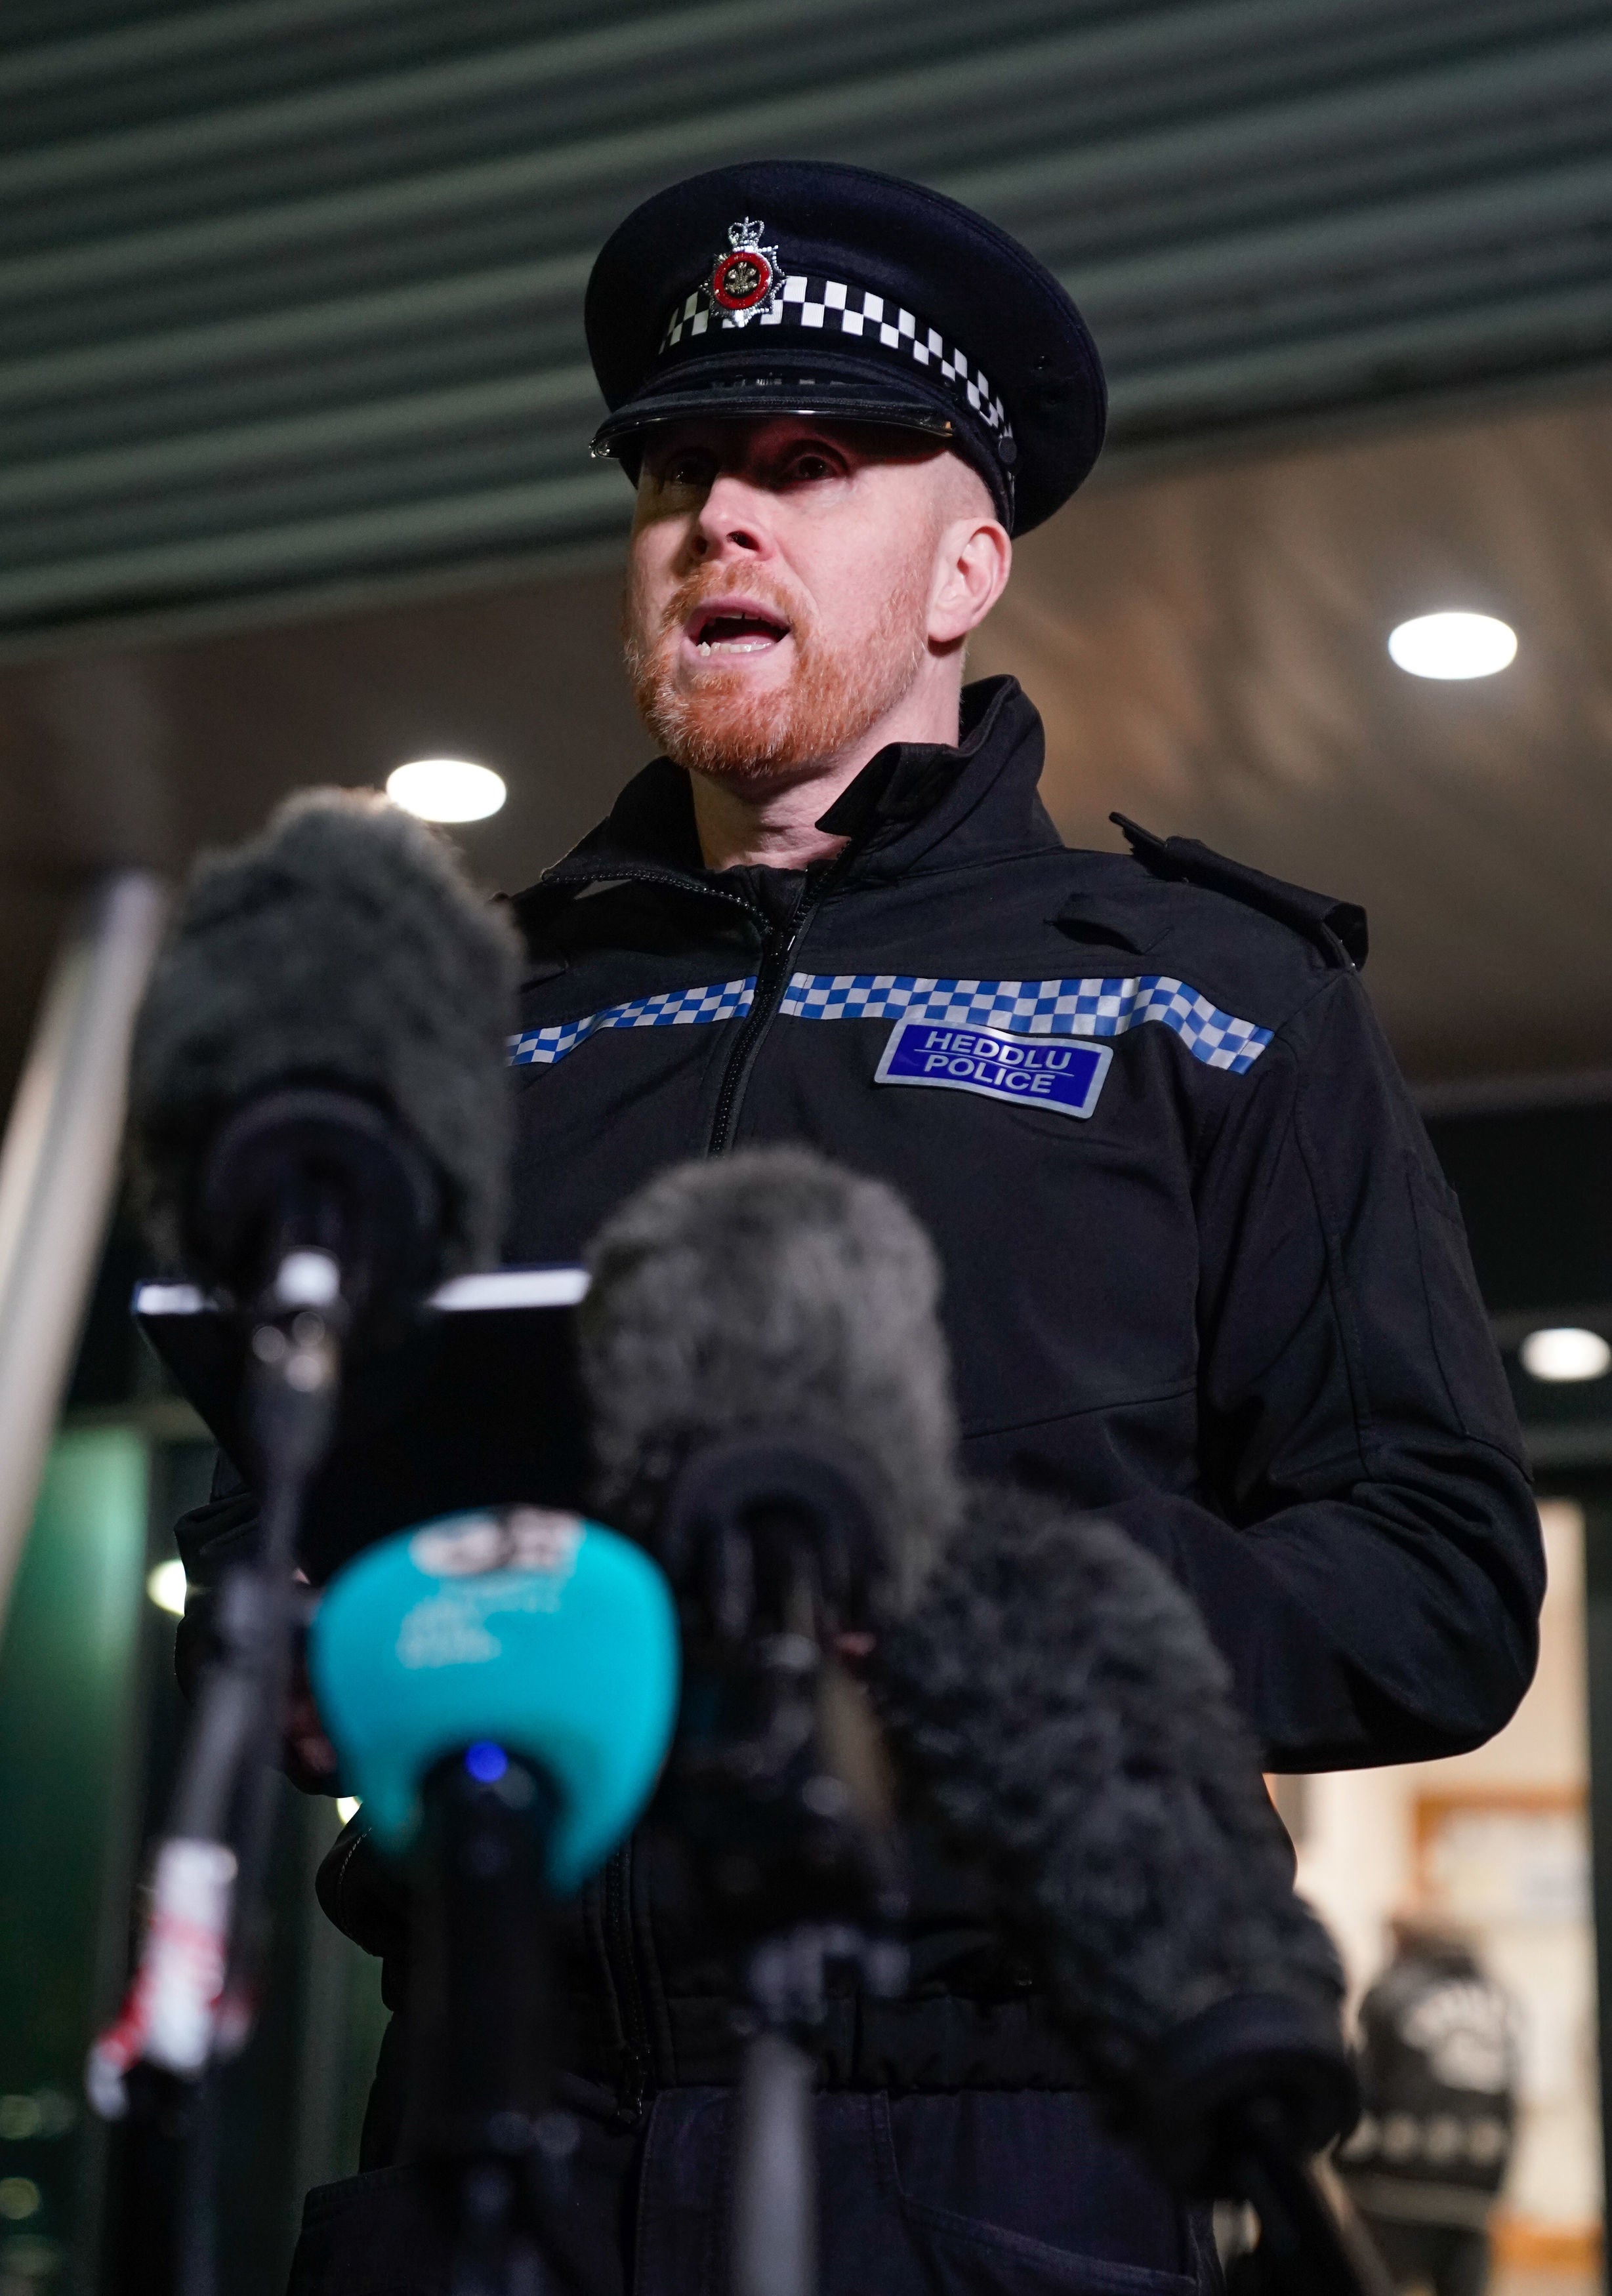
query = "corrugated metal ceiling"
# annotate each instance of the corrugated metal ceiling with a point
(290, 289)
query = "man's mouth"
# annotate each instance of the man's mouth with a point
(734, 626)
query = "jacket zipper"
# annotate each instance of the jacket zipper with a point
(778, 952)
(778, 948)
(621, 1954)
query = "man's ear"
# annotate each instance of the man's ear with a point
(973, 560)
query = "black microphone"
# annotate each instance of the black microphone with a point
(319, 1061)
(773, 1297)
(771, 1414)
(319, 1134)
(1056, 1707)
(1070, 1727)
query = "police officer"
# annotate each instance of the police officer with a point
(1202, 1272)
(1440, 2069)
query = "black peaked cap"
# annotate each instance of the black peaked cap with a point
(802, 286)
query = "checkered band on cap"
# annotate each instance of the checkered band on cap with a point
(829, 307)
(1026, 1008)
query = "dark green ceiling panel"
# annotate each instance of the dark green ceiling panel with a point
(290, 289)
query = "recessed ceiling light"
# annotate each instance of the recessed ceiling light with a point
(1566, 1352)
(165, 1586)
(446, 789)
(1453, 646)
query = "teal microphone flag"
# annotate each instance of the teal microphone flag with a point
(518, 1628)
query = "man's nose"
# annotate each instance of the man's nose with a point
(732, 517)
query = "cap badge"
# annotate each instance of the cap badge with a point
(746, 280)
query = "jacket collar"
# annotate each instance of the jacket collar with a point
(920, 803)
(915, 803)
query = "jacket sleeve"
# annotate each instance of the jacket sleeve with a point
(1366, 1549)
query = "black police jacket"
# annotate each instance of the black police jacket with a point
(1440, 2067)
(1201, 1271)
(1230, 1302)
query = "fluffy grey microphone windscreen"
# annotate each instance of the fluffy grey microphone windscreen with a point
(772, 1292)
(1069, 1724)
(345, 947)
(1058, 1714)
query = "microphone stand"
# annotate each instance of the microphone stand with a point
(192, 2000)
(309, 1202)
(1311, 2242)
(480, 2115)
(1237, 2101)
(778, 1791)
(1303, 2249)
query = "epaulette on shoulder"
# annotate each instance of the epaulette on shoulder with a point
(1337, 928)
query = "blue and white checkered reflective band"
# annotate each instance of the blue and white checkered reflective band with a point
(1035, 1008)
(830, 307)
(1028, 1008)
(674, 1008)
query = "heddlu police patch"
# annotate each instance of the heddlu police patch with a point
(1037, 1071)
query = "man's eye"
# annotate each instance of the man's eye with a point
(810, 465)
(684, 470)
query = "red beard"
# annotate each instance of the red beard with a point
(722, 725)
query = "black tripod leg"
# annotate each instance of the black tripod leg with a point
(147, 2168)
(197, 2256)
(775, 2197)
(161, 2234)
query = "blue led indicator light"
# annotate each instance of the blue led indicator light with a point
(486, 1761)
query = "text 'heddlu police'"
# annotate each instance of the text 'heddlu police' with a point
(1045, 1071)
